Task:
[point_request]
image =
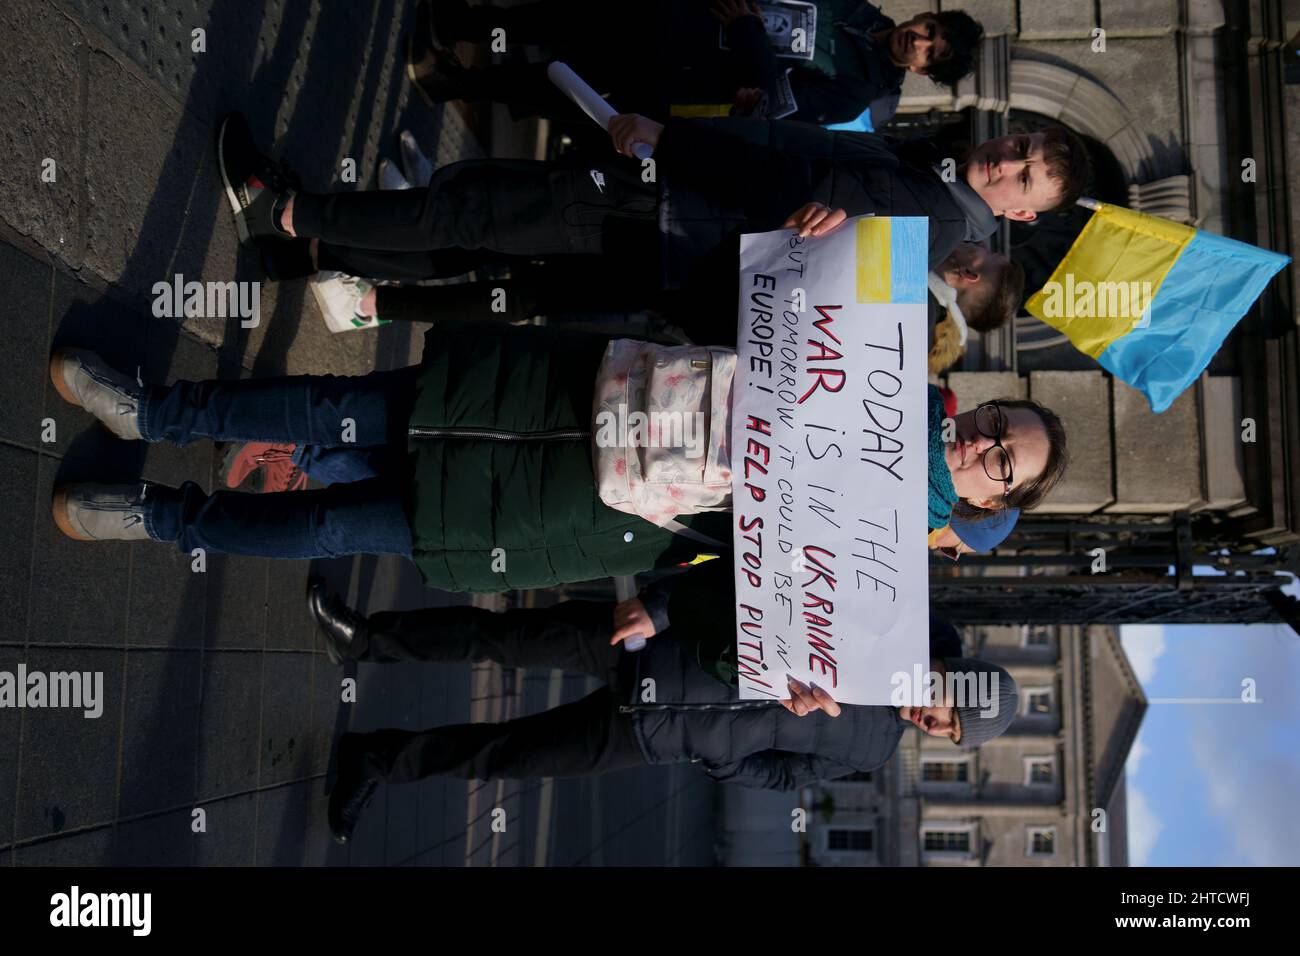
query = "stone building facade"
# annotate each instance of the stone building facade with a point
(1172, 97)
(1049, 792)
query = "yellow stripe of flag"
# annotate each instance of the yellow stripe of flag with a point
(1117, 245)
(875, 260)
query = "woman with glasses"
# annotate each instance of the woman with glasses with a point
(1004, 458)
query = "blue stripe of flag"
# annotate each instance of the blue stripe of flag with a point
(910, 258)
(1206, 292)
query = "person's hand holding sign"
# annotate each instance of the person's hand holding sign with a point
(631, 620)
(728, 10)
(804, 700)
(815, 219)
(628, 128)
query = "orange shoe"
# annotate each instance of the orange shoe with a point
(275, 462)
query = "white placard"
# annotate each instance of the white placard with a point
(829, 461)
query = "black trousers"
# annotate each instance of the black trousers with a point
(563, 288)
(588, 736)
(501, 209)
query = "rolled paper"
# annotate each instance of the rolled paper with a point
(589, 101)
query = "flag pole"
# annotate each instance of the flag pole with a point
(589, 101)
(1087, 203)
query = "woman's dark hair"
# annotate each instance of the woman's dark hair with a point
(1030, 494)
(964, 35)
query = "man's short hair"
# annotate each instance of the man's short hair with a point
(964, 35)
(1066, 159)
(991, 308)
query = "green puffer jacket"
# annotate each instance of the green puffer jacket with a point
(500, 452)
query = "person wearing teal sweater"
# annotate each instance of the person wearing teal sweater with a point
(1002, 454)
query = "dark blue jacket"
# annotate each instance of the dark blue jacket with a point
(696, 712)
(721, 177)
(753, 743)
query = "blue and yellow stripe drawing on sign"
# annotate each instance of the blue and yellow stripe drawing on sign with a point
(1152, 300)
(892, 257)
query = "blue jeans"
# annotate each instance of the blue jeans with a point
(366, 416)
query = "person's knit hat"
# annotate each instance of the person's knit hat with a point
(995, 705)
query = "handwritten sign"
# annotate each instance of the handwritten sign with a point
(829, 460)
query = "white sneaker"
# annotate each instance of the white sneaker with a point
(390, 177)
(339, 296)
(92, 512)
(415, 164)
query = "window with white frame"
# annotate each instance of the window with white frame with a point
(1040, 842)
(947, 841)
(1039, 701)
(945, 769)
(850, 839)
(1040, 771)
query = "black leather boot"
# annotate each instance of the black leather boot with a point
(340, 625)
(435, 71)
(353, 789)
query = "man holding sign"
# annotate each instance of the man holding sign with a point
(670, 220)
(676, 701)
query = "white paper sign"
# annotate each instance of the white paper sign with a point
(829, 461)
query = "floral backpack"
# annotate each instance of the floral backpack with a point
(661, 426)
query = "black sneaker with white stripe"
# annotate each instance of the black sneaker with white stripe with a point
(257, 187)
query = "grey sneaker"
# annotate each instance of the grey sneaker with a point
(90, 512)
(83, 378)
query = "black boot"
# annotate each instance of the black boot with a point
(353, 790)
(345, 630)
(436, 72)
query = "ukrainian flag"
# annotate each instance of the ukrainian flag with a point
(1150, 299)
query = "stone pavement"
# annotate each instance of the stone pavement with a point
(216, 695)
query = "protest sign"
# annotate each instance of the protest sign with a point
(829, 461)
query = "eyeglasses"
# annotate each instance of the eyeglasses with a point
(989, 422)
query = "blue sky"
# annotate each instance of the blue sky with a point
(1215, 784)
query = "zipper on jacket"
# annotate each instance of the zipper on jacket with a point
(495, 434)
